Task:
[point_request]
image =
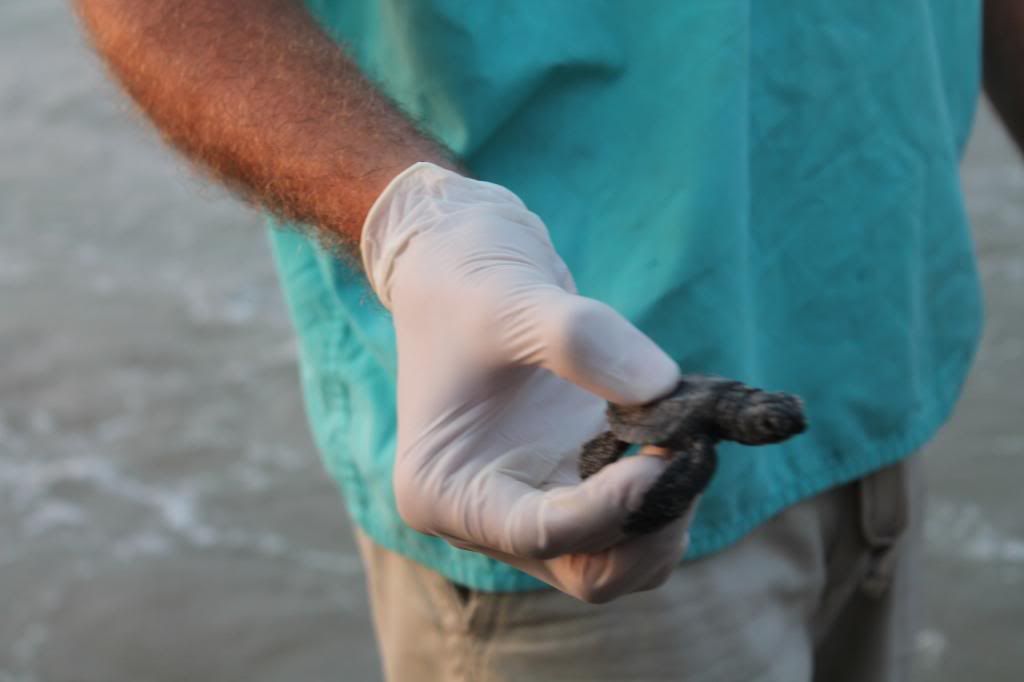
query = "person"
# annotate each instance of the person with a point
(558, 204)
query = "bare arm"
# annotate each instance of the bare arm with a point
(1004, 63)
(255, 92)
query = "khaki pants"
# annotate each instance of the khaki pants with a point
(825, 591)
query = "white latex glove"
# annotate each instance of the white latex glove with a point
(502, 369)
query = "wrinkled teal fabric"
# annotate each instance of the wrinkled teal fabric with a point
(768, 189)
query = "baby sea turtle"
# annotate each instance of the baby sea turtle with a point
(689, 421)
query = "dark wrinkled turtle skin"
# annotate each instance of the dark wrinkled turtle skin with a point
(699, 412)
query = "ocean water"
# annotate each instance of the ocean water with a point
(163, 515)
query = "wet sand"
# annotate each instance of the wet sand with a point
(165, 516)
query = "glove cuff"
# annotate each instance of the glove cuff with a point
(414, 200)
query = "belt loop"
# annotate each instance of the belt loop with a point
(884, 512)
(879, 576)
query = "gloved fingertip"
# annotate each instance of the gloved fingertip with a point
(592, 345)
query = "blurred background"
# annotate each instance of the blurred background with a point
(163, 514)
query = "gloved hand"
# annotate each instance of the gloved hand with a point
(502, 375)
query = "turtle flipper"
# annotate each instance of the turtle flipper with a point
(599, 452)
(686, 477)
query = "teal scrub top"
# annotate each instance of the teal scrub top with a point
(768, 189)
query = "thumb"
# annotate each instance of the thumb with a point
(586, 342)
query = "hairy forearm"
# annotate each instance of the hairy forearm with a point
(257, 94)
(1004, 63)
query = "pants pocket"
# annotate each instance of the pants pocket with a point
(473, 612)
